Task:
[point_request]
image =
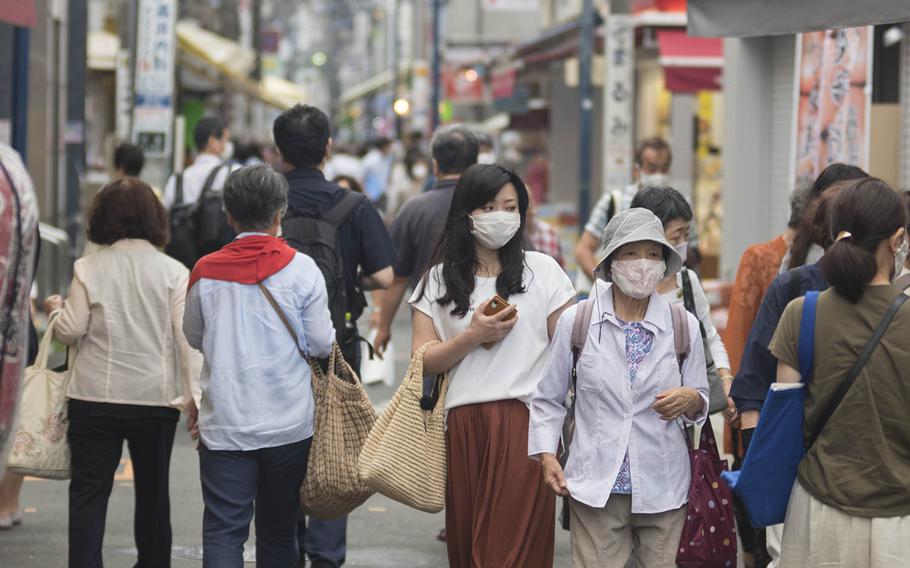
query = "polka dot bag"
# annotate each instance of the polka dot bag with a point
(708, 538)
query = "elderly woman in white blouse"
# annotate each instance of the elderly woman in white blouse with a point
(133, 371)
(628, 470)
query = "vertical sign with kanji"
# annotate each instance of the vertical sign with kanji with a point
(153, 108)
(619, 104)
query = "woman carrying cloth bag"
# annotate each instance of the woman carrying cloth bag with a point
(628, 472)
(499, 512)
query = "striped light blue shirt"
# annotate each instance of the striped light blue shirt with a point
(256, 388)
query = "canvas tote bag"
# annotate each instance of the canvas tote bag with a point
(404, 457)
(40, 448)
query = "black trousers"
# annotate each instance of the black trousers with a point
(96, 443)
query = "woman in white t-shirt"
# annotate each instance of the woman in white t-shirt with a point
(499, 512)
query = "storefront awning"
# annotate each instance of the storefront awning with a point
(368, 87)
(228, 57)
(747, 18)
(690, 64)
(235, 62)
(18, 13)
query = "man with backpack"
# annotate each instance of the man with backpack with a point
(344, 234)
(419, 224)
(197, 222)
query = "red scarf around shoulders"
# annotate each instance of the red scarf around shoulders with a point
(248, 260)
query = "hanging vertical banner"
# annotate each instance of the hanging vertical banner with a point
(153, 108)
(834, 99)
(619, 102)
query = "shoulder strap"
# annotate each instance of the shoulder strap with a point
(680, 332)
(689, 299)
(178, 193)
(611, 209)
(902, 282)
(282, 317)
(688, 294)
(806, 346)
(841, 391)
(210, 180)
(338, 214)
(795, 288)
(583, 314)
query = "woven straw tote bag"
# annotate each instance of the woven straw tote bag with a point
(344, 417)
(404, 457)
(40, 447)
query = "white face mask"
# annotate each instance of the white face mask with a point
(419, 171)
(638, 278)
(682, 250)
(486, 158)
(654, 180)
(228, 151)
(493, 230)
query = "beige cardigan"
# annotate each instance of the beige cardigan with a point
(124, 312)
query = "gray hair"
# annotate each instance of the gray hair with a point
(253, 195)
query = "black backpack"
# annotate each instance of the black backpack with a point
(199, 228)
(318, 238)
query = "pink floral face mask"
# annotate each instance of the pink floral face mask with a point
(638, 278)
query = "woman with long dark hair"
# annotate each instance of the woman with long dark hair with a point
(850, 505)
(499, 511)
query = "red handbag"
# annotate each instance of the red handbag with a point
(708, 538)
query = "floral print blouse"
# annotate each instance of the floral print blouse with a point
(639, 342)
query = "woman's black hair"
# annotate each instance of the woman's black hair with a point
(871, 211)
(479, 185)
(834, 173)
(665, 202)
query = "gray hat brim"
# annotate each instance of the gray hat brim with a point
(633, 226)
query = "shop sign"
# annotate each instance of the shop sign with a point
(502, 83)
(153, 108)
(619, 105)
(833, 101)
(18, 12)
(463, 86)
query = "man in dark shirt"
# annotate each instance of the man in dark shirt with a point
(419, 224)
(302, 135)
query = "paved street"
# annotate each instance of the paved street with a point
(381, 533)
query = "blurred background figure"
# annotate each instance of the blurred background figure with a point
(539, 176)
(487, 154)
(377, 169)
(349, 183)
(344, 162)
(128, 160)
(248, 154)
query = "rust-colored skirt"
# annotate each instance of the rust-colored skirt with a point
(499, 512)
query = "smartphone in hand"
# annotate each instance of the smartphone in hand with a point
(496, 305)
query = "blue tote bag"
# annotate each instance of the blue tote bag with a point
(767, 475)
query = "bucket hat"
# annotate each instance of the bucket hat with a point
(632, 226)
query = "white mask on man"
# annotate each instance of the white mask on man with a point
(228, 151)
(654, 180)
(486, 158)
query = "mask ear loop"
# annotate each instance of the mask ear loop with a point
(600, 323)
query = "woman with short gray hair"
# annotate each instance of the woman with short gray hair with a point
(256, 417)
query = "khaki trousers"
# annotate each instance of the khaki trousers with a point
(818, 535)
(605, 538)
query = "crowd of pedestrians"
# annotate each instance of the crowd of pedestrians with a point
(578, 395)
